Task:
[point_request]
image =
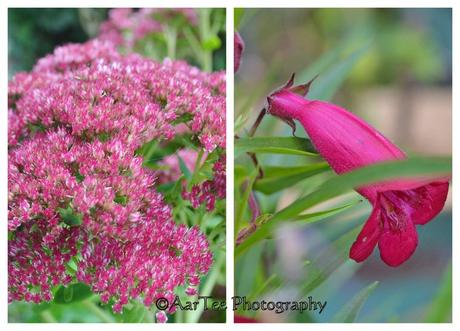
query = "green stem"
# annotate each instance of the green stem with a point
(194, 316)
(196, 169)
(193, 42)
(205, 33)
(171, 41)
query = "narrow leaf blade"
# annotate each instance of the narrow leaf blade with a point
(275, 145)
(350, 311)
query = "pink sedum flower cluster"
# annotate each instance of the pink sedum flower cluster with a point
(207, 192)
(77, 190)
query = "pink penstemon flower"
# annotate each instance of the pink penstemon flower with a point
(346, 142)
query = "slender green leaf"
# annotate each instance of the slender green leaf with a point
(275, 145)
(135, 314)
(328, 261)
(240, 122)
(410, 168)
(278, 178)
(440, 310)
(314, 217)
(243, 202)
(69, 217)
(183, 168)
(350, 311)
(72, 293)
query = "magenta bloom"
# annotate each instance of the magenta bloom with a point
(347, 143)
(238, 44)
(77, 189)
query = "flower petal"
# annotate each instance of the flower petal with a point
(399, 237)
(345, 140)
(367, 238)
(426, 201)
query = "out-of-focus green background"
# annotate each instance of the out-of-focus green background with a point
(392, 67)
(35, 32)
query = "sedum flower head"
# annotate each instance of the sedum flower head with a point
(78, 194)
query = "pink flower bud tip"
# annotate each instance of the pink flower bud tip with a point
(238, 44)
(161, 317)
(191, 291)
(346, 142)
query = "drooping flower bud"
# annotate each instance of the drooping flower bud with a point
(238, 44)
(346, 142)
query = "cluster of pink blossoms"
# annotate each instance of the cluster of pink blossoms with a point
(77, 190)
(207, 192)
(125, 27)
(204, 193)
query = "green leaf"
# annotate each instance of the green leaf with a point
(327, 84)
(135, 314)
(409, 168)
(330, 259)
(72, 293)
(278, 178)
(70, 217)
(440, 310)
(275, 145)
(184, 118)
(243, 202)
(184, 169)
(314, 217)
(238, 14)
(240, 122)
(351, 310)
(121, 199)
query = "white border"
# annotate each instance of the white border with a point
(229, 4)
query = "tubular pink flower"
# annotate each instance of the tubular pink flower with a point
(346, 142)
(238, 44)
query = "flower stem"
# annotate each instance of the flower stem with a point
(256, 124)
(251, 133)
(205, 33)
(171, 41)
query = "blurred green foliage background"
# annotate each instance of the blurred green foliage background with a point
(33, 33)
